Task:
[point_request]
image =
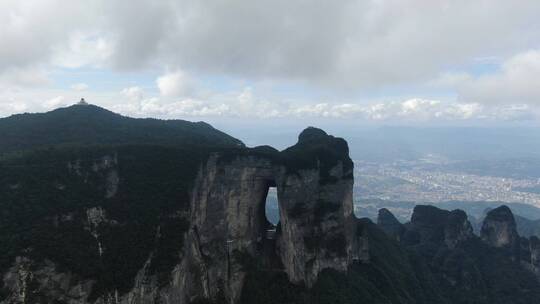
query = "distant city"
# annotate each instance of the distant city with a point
(430, 180)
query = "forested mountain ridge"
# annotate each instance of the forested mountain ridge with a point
(85, 124)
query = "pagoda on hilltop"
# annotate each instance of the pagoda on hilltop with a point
(82, 102)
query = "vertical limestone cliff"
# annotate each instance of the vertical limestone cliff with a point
(316, 225)
(499, 228)
(228, 224)
(534, 249)
(315, 197)
(434, 225)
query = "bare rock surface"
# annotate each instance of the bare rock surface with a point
(499, 228)
(389, 224)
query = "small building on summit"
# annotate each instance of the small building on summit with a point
(82, 102)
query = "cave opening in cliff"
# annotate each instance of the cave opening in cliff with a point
(269, 216)
(272, 206)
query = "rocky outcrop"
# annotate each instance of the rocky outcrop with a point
(389, 224)
(499, 231)
(534, 249)
(457, 228)
(499, 228)
(469, 268)
(431, 224)
(33, 282)
(228, 222)
(314, 183)
(316, 230)
(317, 224)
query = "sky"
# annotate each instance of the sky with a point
(276, 62)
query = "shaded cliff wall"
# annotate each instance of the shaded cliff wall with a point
(317, 228)
(317, 224)
(227, 221)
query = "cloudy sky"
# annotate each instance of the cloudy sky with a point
(378, 61)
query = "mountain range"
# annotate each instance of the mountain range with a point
(100, 208)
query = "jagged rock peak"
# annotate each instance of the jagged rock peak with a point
(457, 228)
(431, 224)
(265, 149)
(499, 228)
(389, 224)
(311, 134)
(386, 217)
(502, 213)
(315, 137)
(428, 216)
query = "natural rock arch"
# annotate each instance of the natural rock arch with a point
(314, 181)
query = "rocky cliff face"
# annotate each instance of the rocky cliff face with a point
(457, 229)
(499, 228)
(431, 224)
(227, 228)
(317, 222)
(534, 249)
(316, 229)
(389, 224)
(227, 223)
(469, 267)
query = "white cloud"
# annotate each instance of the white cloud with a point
(516, 82)
(461, 111)
(174, 84)
(516, 112)
(133, 93)
(23, 77)
(450, 79)
(353, 43)
(10, 107)
(83, 49)
(55, 102)
(31, 29)
(79, 87)
(412, 110)
(247, 104)
(416, 105)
